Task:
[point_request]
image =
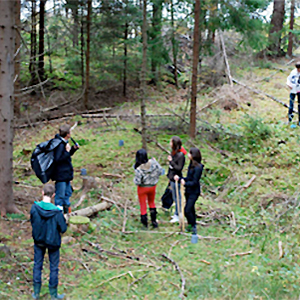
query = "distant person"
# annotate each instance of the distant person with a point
(192, 187)
(63, 170)
(293, 82)
(48, 223)
(176, 164)
(147, 172)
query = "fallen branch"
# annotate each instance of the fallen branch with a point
(125, 216)
(111, 176)
(241, 254)
(181, 275)
(249, 182)
(205, 261)
(262, 93)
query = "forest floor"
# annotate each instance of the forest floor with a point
(248, 226)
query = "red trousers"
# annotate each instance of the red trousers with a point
(146, 193)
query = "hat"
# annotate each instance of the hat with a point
(297, 64)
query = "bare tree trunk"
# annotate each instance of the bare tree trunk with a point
(82, 49)
(291, 36)
(7, 51)
(17, 85)
(195, 70)
(32, 64)
(174, 45)
(41, 68)
(143, 77)
(125, 60)
(87, 67)
(49, 53)
(276, 27)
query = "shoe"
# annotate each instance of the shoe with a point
(175, 219)
(54, 295)
(36, 291)
(153, 214)
(293, 126)
(144, 220)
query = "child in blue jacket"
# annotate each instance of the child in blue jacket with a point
(192, 187)
(48, 223)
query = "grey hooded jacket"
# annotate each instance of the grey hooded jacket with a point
(148, 174)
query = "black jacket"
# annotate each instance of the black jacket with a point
(192, 181)
(176, 165)
(47, 222)
(63, 169)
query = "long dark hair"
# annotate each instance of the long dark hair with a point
(196, 155)
(141, 157)
(176, 144)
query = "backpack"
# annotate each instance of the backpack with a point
(167, 198)
(42, 159)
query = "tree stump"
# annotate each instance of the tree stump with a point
(79, 224)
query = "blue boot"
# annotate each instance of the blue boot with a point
(36, 291)
(54, 295)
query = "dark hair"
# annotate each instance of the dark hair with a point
(49, 189)
(297, 64)
(64, 130)
(141, 157)
(176, 144)
(196, 157)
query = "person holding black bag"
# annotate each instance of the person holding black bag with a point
(176, 164)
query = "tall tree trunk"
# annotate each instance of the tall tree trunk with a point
(41, 69)
(7, 51)
(87, 67)
(17, 85)
(82, 49)
(156, 42)
(276, 27)
(195, 70)
(174, 45)
(49, 53)
(143, 77)
(33, 46)
(291, 36)
(125, 58)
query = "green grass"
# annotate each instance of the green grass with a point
(266, 213)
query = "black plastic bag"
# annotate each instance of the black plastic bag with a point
(167, 198)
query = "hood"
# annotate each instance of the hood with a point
(57, 136)
(149, 166)
(46, 210)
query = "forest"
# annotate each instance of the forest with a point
(127, 75)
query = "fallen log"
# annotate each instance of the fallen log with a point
(89, 211)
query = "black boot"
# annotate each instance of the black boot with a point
(144, 220)
(153, 214)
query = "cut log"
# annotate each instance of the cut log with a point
(89, 211)
(79, 224)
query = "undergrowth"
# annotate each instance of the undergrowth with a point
(248, 230)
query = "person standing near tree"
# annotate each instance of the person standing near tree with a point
(176, 164)
(293, 82)
(63, 169)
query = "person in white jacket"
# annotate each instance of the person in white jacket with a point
(293, 82)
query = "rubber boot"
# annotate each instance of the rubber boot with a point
(144, 220)
(36, 290)
(153, 214)
(54, 295)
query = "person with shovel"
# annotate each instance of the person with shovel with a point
(192, 187)
(293, 82)
(176, 164)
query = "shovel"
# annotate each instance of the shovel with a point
(181, 217)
